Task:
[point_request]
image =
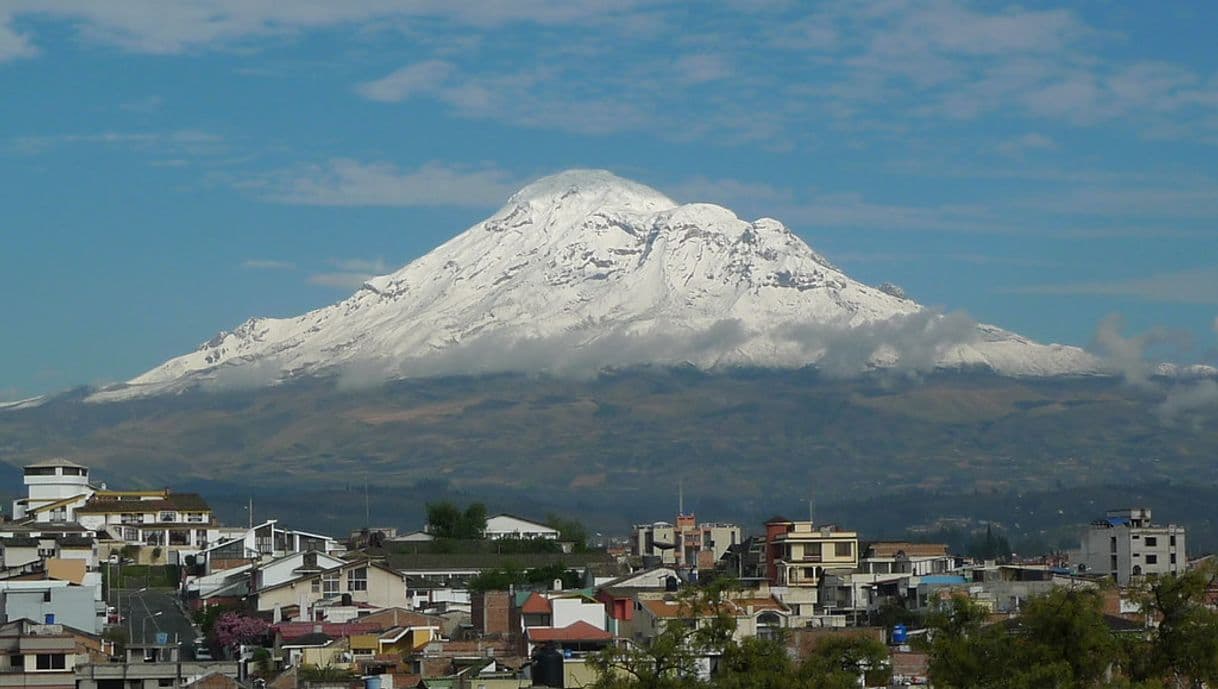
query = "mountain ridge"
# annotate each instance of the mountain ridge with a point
(583, 271)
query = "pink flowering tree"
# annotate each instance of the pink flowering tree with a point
(233, 629)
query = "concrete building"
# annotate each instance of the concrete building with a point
(359, 581)
(150, 666)
(798, 553)
(52, 601)
(686, 544)
(510, 526)
(44, 656)
(1126, 544)
(55, 488)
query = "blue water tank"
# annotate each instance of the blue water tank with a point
(372, 682)
(900, 634)
(50, 618)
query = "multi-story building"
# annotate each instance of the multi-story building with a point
(1126, 544)
(55, 488)
(150, 666)
(173, 522)
(687, 544)
(798, 553)
(79, 607)
(60, 497)
(35, 655)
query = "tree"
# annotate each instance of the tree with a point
(670, 660)
(1184, 647)
(325, 674)
(511, 575)
(838, 661)
(446, 520)
(1059, 642)
(755, 663)
(233, 629)
(442, 519)
(569, 530)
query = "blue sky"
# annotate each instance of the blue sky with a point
(171, 168)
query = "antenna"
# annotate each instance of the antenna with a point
(251, 511)
(680, 497)
(811, 512)
(367, 505)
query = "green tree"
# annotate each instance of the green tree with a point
(569, 530)
(1184, 647)
(838, 661)
(1059, 642)
(756, 663)
(670, 660)
(443, 519)
(473, 522)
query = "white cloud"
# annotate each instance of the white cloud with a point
(193, 141)
(403, 83)
(347, 182)
(145, 105)
(701, 68)
(374, 266)
(1196, 286)
(13, 44)
(160, 27)
(1031, 141)
(351, 273)
(267, 264)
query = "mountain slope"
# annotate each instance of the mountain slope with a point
(584, 270)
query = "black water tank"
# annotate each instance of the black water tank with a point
(547, 667)
(671, 583)
(346, 599)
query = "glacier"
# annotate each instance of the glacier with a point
(584, 271)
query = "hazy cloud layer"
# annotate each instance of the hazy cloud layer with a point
(266, 264)
(349, 273)
(346, 182)
(1199, 286)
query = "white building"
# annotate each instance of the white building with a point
(53, 602)
(510, 526)
(54, 489)
(687, 544)
(261, 542)
(1126, 544)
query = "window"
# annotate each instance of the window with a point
(165, 682)
(17, 661)
(1152, 559)
(329, 584)
(317, 586)
(46, 552)
(843, 549)
(1151, 541)
(357, 579)
(169, 516)
(1171, 540)
(51, 661)
(195, 517)
(1173, 558)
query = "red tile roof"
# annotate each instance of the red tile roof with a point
(577, 631)
(294, 630)
(537, 604)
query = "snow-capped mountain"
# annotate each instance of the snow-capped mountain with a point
(584, 270)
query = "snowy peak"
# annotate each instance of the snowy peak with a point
(584, 270)
(592, 189)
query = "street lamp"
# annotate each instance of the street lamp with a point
(144, 626)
